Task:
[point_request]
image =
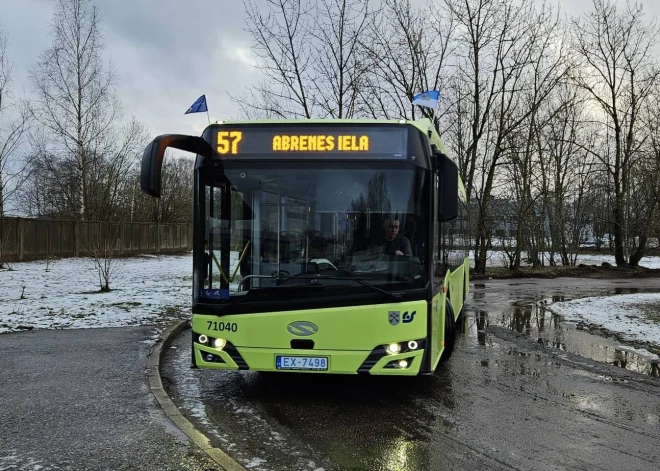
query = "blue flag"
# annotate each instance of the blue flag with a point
(429, 99)
(199, 106)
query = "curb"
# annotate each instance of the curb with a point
(222, 459)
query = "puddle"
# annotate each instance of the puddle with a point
(529, 316)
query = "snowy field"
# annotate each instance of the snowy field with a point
(497, 258)
(65, 294)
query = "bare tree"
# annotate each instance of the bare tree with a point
(310, 55)
(644, 198)
(176, 201)
(508, 65)
(283, 44)
(51, 189)
(103, 248)
(567, 172)
(12, 131)
(74, 94)
(339, 65)
(80, 149)
(619, 71)
(407, 49)
(111, 171)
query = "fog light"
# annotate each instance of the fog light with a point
(403, 364)
(412, 345)
(203, 339)
(209, 357)
(220, 343)
(393, 348)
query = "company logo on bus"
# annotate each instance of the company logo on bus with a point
(302, 328)
(408, 317)
(395, 317)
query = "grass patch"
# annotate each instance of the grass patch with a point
(97, 291)
(650, 311)
(579, 271)
(125, 306)
(173, 312)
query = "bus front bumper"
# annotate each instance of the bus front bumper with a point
(406, 362)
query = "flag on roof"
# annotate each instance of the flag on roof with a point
(199, 106)
(429, 99)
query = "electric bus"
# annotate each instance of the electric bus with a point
(323, 246)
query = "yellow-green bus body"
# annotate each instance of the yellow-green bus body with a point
(347, 336)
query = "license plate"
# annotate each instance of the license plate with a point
(301, 363)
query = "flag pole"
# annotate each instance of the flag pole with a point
(207, 115)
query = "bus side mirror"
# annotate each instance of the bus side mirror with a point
(448, 188)
(152, 158)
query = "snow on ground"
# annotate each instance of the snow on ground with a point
(648, 262)
(497, 258)
(636, 317)
(66, 293)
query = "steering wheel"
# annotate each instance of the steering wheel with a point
(323, 261)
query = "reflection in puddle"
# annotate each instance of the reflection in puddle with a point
(397, 455)
(530, 317)
(347, 415)
(535, 364)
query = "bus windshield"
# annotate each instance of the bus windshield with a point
(280, 225)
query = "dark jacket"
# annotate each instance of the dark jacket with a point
(399, 243)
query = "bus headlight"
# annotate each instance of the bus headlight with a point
(393, 348)
(220, 343)
(403, 364)
(412, 345)
(203, 339)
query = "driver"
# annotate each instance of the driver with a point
(395, 244)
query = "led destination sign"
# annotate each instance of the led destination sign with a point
(280, 142)
(320, 143)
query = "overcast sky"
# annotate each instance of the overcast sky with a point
(166, 53)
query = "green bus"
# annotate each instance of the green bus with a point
(323, 246)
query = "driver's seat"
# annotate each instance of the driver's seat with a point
(409, 231)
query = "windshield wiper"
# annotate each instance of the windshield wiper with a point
(395, 296)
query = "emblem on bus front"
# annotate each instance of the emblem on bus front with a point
(394, 317)
(302, 328)
(408, 317)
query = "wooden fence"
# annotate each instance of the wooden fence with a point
(24, 239)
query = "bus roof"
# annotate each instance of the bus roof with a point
(423, 124)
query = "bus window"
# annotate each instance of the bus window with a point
(283, 221)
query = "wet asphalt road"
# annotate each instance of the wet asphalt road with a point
(79, 400)
(522, 391)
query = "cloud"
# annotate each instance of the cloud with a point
(165, 54)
